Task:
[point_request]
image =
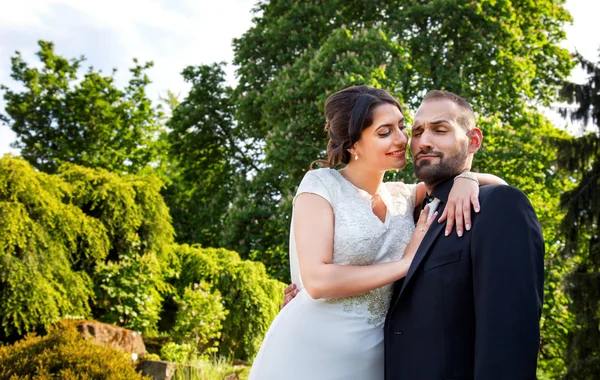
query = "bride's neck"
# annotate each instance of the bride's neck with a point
(362, 177)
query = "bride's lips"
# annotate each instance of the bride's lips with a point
(397, 153)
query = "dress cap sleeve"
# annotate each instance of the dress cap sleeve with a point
(314, 182)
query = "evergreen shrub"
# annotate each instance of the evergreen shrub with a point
(250, 297)
(64, 354)
(199, 318)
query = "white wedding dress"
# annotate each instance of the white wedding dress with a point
(340, 338)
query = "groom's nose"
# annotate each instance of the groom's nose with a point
(425, 142)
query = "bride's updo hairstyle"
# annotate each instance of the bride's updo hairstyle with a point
(348, 112)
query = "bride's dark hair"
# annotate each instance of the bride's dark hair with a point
(348, 112)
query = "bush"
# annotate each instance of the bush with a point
(251, 298)
(129, 284)
(199, 318)
(178, 353)
(64, 354)
(45, 241)
(84, 241)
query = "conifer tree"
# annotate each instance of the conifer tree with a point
(580, 225)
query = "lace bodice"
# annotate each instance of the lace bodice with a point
(360, 237)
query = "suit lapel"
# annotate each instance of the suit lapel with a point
(428, 240)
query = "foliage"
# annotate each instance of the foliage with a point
(61, 116)
(199, 318)
(183, 353)
(581, 156)
(251, 298)
(211, 369)
(496, 53)
(129, 284)
(129, 292)
(64, 354)
(204, 153)
(45, 244)
(82, 238)
(151, 357)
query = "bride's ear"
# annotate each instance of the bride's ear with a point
(353, 152)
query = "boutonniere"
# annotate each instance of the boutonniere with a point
(433, 205)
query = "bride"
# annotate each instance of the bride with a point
(352, 236)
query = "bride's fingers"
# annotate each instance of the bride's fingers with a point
(475, 202)
(444, 215)
(467, 214)
(430, 220)
(426, 223)
(289, 289)
(458, 219)
(450, 215)
(423, 215)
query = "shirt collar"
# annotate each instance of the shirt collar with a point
(442, 190)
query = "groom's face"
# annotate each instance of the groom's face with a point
(439, 144)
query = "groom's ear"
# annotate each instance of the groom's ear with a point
(475, 139)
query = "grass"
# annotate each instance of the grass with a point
(206, 369)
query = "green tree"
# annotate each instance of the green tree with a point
(581, 156)
(205, 154)
(259, 219)
(83, 242)
(499, 54)
(45, 244)
(130, 282)
(62, 117)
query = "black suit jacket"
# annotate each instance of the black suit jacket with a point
(469, 307)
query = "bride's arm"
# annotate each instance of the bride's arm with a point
(313, 233)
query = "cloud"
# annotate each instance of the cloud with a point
(172, 33)
(110, 33)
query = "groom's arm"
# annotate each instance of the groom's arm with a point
(508, 263)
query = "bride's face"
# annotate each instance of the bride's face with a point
(382, 146)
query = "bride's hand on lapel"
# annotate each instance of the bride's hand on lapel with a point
(423, 224)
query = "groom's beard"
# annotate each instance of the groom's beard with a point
(448, 166)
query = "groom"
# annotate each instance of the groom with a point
(469, 307)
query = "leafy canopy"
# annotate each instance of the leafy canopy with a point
(60, 116)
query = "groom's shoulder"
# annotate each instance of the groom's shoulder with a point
(502, 198)
(495, 192)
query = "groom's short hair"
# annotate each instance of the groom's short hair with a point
(466, 119)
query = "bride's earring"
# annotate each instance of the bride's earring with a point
(355, 156)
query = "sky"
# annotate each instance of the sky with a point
(171, 33)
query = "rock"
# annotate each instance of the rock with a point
(113, 336)
(157, 370)
(239, 362)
